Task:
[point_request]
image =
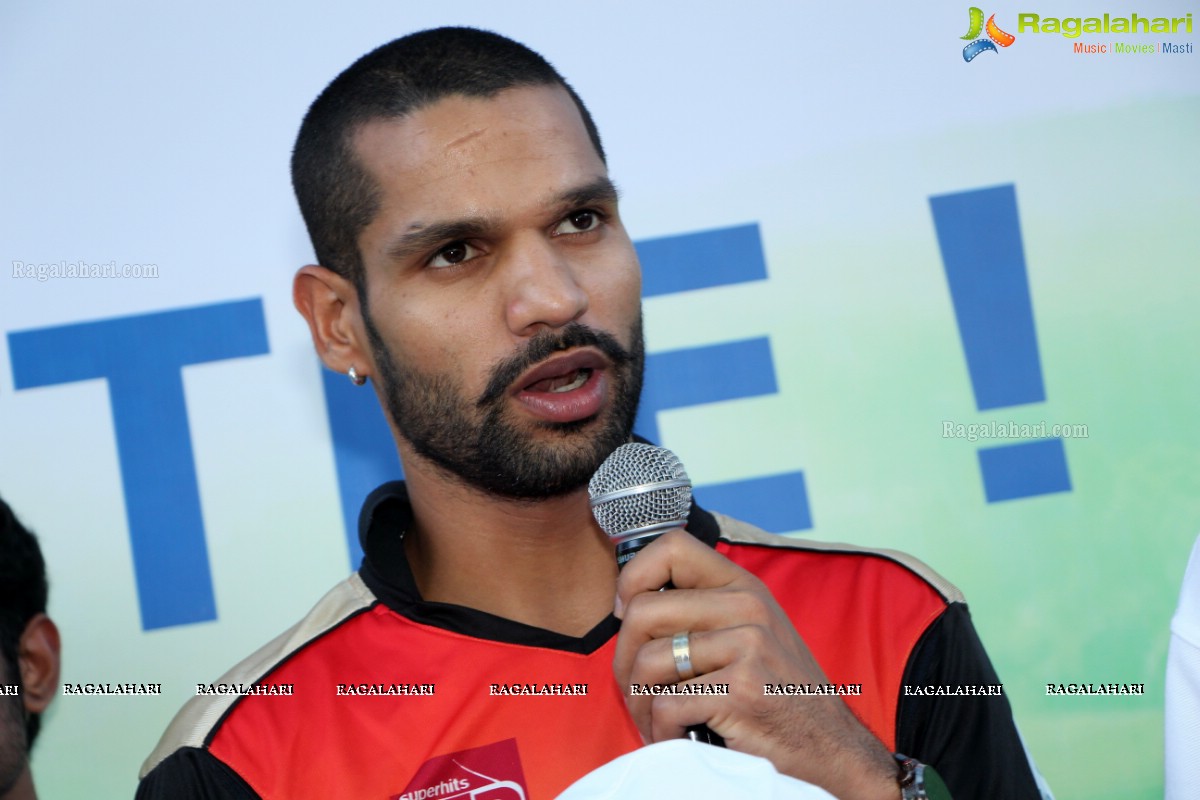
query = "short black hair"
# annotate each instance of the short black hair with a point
(23, 594)
(337, 197)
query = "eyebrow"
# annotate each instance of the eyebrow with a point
(424, 236)
(601, 190)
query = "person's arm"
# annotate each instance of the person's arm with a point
(972, 741)
(193, 774)
(740, 637)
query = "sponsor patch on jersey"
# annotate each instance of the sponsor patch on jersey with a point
(491, 772)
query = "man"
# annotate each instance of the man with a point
(475, 268)
(29, 653)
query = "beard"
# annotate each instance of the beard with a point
(481, 446)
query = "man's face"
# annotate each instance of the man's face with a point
(503, 294)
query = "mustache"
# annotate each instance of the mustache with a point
(541, 347)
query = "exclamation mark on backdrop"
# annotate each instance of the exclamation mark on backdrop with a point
(979, 234)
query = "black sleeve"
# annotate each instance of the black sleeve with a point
(193, 774)
(971, 741)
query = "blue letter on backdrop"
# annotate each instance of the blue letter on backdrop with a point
(141, 357)
(708, 374)
(979, 233)
(363, 451)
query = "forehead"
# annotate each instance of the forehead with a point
(472, 154)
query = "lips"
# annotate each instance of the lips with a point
(563, 383)
(566, 388)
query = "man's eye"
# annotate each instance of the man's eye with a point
(579, 222)
(453, 254)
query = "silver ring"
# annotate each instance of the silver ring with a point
(681, 648)
(355, 378)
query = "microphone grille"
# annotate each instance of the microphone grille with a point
(637, 486)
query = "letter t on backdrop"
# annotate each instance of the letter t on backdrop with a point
(142, 357)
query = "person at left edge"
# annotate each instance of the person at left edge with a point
(29, 653)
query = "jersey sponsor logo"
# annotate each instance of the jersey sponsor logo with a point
(490, 772)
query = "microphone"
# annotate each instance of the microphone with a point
(639, 493)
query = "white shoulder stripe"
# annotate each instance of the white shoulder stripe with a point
(196, 719)
(735, 530)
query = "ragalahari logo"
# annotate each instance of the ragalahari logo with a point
(994, 35)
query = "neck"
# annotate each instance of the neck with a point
(545, 563)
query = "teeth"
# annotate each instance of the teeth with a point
(581, 377)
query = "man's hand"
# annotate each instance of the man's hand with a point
(740, 637)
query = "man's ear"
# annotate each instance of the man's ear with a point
(329, 303)
(38, 657)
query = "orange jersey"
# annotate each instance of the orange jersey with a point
(390, 696)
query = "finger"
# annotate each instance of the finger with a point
(654, 666)
(652, 620)
(712, 651)
(675, 558)
(724, 652)
(750, 656)
(660, 615)
(672, 714)
(655, 661)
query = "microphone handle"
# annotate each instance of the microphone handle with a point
(626, 550)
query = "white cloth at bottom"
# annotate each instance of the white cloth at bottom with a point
(1182, 713)
(687, 769)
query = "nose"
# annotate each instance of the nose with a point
(542, 288)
